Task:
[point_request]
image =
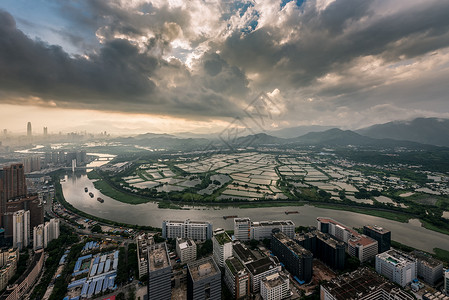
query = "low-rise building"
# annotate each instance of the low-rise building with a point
(429, 268)
(203, 280)
(275, 287)
(196, 230)
(362, 284)
(237, 278)
(397, 267)
(186, 250)
(262, 268)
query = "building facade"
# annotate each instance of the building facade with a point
(159, 272)
(296, 259)
(8, 266)
(143, 241)
(397, 267)
(260, 269)
(203, 280)
(242, 229)
(237, 278)
(186, 250)
(429, 268)
(246, 230)
(187, 229)
(38, 237)
(51, 231)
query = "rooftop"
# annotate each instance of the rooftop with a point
(222, 238)
(378, 229)
(158, 257)
(396, 258)
(243, 253)
(235, 266)
(426, 258)
(188, 221)
(357, 284)
(273, 223)
(292, 245)
(203, 268)
(362, 240)
(274, 280)
(262, 265)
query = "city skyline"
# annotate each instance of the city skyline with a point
(153, 66)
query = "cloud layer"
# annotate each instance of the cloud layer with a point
(343, 62)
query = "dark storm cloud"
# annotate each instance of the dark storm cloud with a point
(316, 57)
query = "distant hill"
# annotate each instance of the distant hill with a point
(150, 135)
(259, 140)
(334, 136)
(431, 131)
(293, 132)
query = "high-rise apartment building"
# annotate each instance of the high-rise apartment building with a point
(260, 269)
(397, 267)
(222, 246)
(21, 229)
(51, 231)
(38, 237)
(203, 280)
(324, 247)
(143, 242)
(159, 272)
(187, 229)
(381, 235)
(297, 259)
(429, 268)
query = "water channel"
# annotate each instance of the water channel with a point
(73, 185)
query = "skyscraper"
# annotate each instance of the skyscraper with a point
(29, 132)
(45, 131)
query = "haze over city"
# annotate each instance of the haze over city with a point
(174, 66)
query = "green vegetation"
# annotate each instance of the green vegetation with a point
(60, 287)
(55, 250)
(118, 195)
(22, 265)
(442, 255)
(222, 238)
(204, 249)
(395, 216)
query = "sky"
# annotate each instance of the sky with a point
(133, 66)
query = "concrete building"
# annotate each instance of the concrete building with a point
(359, 245)
(362, 284)
(21, 229)
(296, 259)
(242, 229)
(143, 241)
(237, 278)
(434, 296)
(324, 247)
(446, 281)
(429, 268)
(31, 163)
(8, 266)
(242, 252)
(222, 246)
(159, 272)
(187, 229)
(397, 267)
(246, 230)
(275, 287)
(260, 269)
(29, 130)
(381, 235)
(203, 280)
(38, 237)
(51, 231)
(186, 250)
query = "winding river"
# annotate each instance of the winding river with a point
(149, 214)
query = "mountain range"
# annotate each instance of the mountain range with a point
(414, 133)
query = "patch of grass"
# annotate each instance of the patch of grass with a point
(110, 191)
(441, 254)
(430, 226)
(269, 204)
(168, 205)
(395, 216)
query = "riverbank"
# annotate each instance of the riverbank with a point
(59, 197)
